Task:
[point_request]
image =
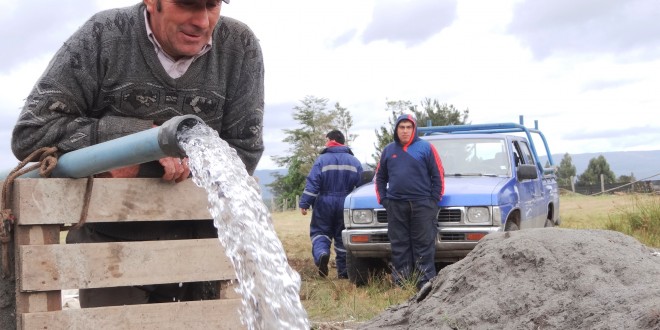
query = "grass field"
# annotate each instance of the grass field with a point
(339, 302)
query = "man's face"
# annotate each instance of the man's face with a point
(404, 131)
(183, 27)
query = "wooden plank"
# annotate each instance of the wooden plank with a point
(81, 266)
(39, 301)
(60, 201)
(209, 314)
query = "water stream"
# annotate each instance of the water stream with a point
(269, 287)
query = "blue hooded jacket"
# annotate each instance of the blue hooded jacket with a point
(411, 171)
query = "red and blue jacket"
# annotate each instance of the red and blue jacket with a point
(409, 172)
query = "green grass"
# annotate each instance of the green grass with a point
(636, 215)
(641, 220)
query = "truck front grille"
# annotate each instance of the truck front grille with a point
(382, 238)
(379, 238)
(449, 215)
(381, 216)
(452, 237)
(444, 215)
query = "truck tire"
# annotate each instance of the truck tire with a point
(548, 220)
(511, 226)
(359, 269)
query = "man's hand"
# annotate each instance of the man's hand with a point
(303, 211)
(176, 169)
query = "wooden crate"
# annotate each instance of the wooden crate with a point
(44, 267)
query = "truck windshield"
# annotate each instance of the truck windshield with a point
(474, 157)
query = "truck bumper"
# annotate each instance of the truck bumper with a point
(452, 243)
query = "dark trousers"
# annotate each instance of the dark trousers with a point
(143, 294)
(326, 225)
(412, 230)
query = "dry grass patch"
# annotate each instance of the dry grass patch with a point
(330, 302)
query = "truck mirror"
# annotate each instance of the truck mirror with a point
(527, 172)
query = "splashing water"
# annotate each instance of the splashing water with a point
(267, 284)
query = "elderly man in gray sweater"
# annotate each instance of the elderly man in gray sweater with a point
(130, 69)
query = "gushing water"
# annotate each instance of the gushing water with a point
(267, 284)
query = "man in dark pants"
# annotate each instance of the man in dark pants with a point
(335, 173)
(409, 184)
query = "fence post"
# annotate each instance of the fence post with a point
(632, 183)
(602, 183)
(297, 202)
(573, 183)
(272, 204)
(284, 205)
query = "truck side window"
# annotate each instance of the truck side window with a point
(526, 154)
(516, 158)
(516, 154)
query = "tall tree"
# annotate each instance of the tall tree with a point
(429, 110)
(596, 167)
(626, 178)
(566, 170)
(315, 120)
(439, 114)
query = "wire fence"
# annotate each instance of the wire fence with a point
(645, 185)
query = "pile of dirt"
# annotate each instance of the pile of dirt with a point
(548, 278)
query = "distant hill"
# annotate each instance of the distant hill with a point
(642, 164)
(265, 177)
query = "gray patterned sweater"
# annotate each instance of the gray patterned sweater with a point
(106, 82)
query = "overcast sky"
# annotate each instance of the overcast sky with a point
(588, 70)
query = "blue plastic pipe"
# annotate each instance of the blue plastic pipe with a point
(137, 148)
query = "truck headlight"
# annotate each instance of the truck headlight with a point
(363, 216)
(478, 215)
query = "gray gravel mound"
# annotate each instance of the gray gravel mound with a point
(550, 278)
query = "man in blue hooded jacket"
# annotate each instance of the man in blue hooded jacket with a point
(409, 184)
(335, 173)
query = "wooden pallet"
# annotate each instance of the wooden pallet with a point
(44, 267)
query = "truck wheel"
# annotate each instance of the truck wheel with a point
(359, 269)
(511, 226)
(548, 220)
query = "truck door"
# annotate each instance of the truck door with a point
(532, 207)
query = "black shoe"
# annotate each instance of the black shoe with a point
(342, 276)
(323, 265)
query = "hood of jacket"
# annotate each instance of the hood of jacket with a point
(413, 137)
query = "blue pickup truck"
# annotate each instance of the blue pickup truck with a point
(494, 181)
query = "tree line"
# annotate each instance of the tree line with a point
(591, 176)
(315, 118)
